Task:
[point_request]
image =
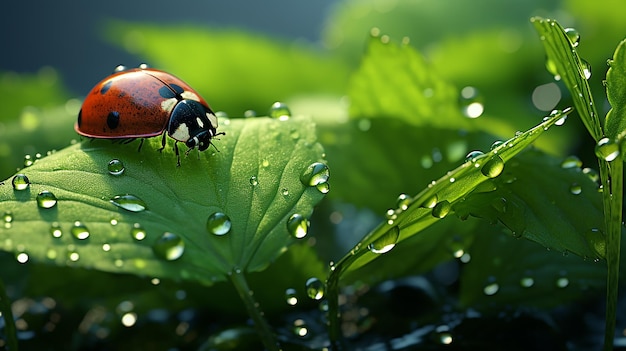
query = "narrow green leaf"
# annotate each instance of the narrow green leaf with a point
(564, 62)
(99, 221)
(395, 81)
(615, 124)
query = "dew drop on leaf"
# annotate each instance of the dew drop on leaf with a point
(386, 242)
(249, 113)
(493, 167)
(291, 297)
(562, 282)
(527, 282)
(441, 209)
(314, 289)
(137, 232)
(571, 162)
(129, 202)
(575, 189)
(80, 231)
(169, 247)
(607, 149)
(20, 182)
(552, 69)
(586, 69)
(430, 202)
(300, 328)
(116, 167)
(298, 226)
(46, 199)
(573, 36)
(22, 257)
(474, 156)
(218, 223)
(403, 201)
(280, 110)
(315, 174)
(55, 230)
(323, 188)
(491, 288)
(254, 181)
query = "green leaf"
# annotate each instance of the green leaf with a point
(615, 124)
(394, 81)
(540, 200)
(233, 70)
(564, 62)
(178, 200)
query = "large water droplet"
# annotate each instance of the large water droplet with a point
(586, 67)
(315, 174)
(129, 202)
(441, 209)
(386, 242)
(573, 36)
(493, 167)
(430, 202)
(607, 149)
(116, 167)
(471, 102)
(169, 247)
(474, 156)
(298, 226)
(314, 289)
(218, 223)
(46, 199)
(137, 232)
(20, 182)
(280, 110)
(80, 231)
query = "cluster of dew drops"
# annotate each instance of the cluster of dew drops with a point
(169, 246)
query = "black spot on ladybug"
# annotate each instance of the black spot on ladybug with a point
(80, 117)
(113, 119)
(105, 87)
(166, 92)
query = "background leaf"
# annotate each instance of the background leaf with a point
(615, 124)
(179, 200)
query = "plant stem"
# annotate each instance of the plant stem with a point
(613, 203)
(5, 308)
(260, 324)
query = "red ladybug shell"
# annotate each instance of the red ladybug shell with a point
(138, 103)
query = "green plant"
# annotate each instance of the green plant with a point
(226, 215)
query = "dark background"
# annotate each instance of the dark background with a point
(67, 35)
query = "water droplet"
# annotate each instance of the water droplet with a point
(441, 209)
(137, 232)
(254, 181)
(22, 257)
(119, 68)
(284, 191)
(129, 202)
(20, 182)
(46, 199)
(280, 110)
(527, 282)
(291, 296)
(474, 156)
(7, 217)
(218, 223)
(106, 247)
(562, 282)
(28, 160)
(493, 167)
(586, 69)
(80, 231)
(491, 288)
(607, 149)
(573, 36)
(386, 242)
(315, 174)
(55, 230)
(249, 113)
(169, 247)
(300, 328)
(403, 201)
(592, 174)
(571, 162)
(430, 202)
(314, 289)
(595, 237)
(443, 334)
(298, 226)
(471, 102)
(575, 189)
(496, 144)
(116, 167)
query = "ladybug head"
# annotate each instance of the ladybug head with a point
(193, 123)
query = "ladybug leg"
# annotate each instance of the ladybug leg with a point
(140, 144)
(163, 143)
(177, 154)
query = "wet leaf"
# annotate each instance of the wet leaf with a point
(615, 124)
(163, 230)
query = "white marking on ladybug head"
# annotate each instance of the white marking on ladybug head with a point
(181, 133)
(190, 96)
(200, 123)
(213, 119)
(167, 105)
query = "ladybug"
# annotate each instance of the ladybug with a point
(145, 102)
